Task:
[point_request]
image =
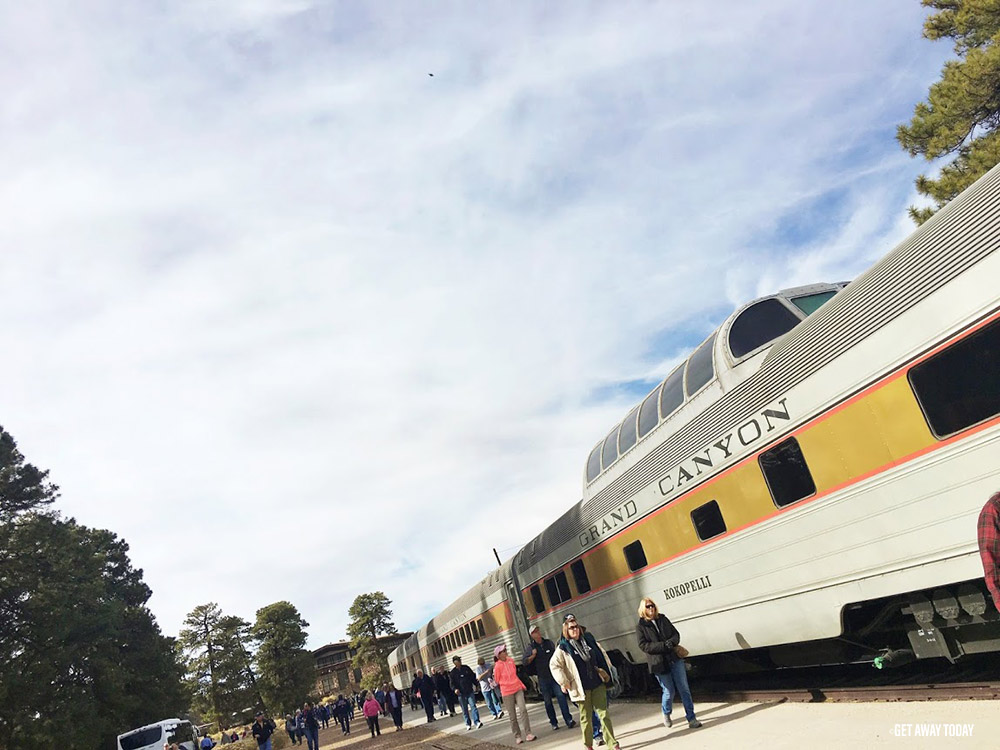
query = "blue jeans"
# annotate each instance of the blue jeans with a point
(266, 745)
(469, 707)
(312, 738)
(549, 689)
(492, 703)
(676, 681)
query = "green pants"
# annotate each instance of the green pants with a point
(596, 700)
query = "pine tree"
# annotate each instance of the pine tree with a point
(371, 617)
(962, 111)
(285, 668)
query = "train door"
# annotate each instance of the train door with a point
(517, 606)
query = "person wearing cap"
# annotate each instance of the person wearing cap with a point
(463, 681)
(512, 690)
(539, 654)
(262, 730)
(582, 668)
(488, 685)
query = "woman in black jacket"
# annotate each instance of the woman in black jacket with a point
(658, 638)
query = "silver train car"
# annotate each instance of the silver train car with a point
(802, 490)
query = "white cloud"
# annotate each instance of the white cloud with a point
(271, 286)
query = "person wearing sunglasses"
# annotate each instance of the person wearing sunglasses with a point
(582, 668)
(659, 639)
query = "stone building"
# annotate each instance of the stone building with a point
(334, 672)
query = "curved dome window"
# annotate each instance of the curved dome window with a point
(758, 325)
(648, 415)
(610, 453)
(594, 464)
(627, 437)
(672, 393)
(700, 369)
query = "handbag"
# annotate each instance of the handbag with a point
(681, 652)
(605, 677)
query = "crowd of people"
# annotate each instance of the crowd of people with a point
(576, 668)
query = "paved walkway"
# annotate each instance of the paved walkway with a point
(951, 724)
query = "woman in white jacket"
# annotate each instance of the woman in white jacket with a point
(581, 667)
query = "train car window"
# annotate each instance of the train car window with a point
(700, 369)
(648, 414)
(610, 451)
(758, 325)
(482, 629)
(467, 634)
(552, 591)
(635, 556)
(812, 302)
(563, 585)
(580, 577)
(708, 521)
(787, 473)
(536, 599)
(626, 435)
(960, 386)
(672, 393)
(594, 464)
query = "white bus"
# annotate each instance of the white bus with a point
(155, 736)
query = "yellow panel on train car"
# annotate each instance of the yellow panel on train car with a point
(902, 424)
(844, 445)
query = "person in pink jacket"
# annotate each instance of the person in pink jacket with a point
(371, 709)
(512, 690)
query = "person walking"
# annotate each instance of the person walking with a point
(290, 728)
(425, 685)
(262, 730)
(659, 639)
(300, 726)
(582, 668)
(463, 681)
(310, 723)
(538, 654)
(512, 689)
(394, 702)
(487, 685)
(371, 709)
(446, 698)
(342, 714)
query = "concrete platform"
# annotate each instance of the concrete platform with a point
(958, 724)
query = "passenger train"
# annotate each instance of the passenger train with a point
(802, 490)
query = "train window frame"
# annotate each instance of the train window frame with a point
(482, 628)
(580, 577)
(705, 353)
(654, 399)
(673, 383)
(785, 464)
(467, 630)
(631, 422)
(941, 401)
(594, 462)
(746, 317)
(610, 444)
(563, 585)
(708, 512)
(552, 590)
(536, 599)
(633, 554)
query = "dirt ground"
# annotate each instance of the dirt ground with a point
(418, 737)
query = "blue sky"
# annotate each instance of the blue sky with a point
(271, 286)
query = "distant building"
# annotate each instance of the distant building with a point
(334, 673)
